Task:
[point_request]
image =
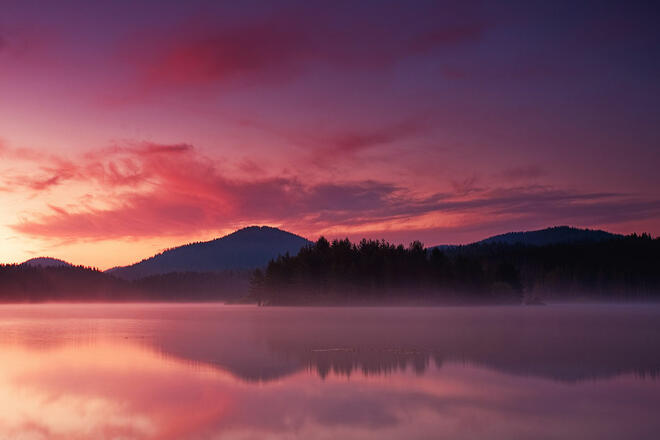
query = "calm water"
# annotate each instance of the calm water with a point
(216, 372)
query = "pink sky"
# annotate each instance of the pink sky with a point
(131, 127)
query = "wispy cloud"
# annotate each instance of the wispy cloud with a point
(154, 190)
(527, 172)
(210, 51)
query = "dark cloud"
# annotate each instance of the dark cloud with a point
(465, 186)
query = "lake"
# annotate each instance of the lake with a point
(200, 371)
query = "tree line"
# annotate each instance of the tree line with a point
(25, 283)
(377, 272)
(371, 271)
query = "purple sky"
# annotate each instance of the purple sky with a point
(127, 127)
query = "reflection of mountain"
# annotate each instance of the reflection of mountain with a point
(567, 343)
(562, 343)
(160, 371)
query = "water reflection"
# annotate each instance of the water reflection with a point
(198, 372)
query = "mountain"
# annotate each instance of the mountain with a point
(555, 235)
(45, 262)
(541, 237)
(247, 248)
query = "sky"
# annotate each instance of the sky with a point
(128, 127)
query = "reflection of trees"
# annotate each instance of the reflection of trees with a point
(562, 343)
(567, 343)
(374, 362)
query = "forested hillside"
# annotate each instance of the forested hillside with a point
(622, 268)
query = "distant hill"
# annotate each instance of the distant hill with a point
(555, 235)
(45, 262)
(33, 283)
(37, 283)
(542, 237)
(246, 248)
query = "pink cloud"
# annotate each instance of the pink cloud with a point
(528, 172)
(204, 51)
(153, 190)
(169, 190)
(204, 54)
(352, 142)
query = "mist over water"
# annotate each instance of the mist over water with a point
(198, 371)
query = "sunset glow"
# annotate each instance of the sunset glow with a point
(130, 127)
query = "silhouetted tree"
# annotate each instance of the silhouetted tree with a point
(376, 271)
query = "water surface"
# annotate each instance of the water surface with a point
(241, 372)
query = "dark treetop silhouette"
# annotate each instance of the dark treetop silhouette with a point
(377, 272)
(45, 262)
(600, 266)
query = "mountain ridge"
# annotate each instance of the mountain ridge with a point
(254, 246)
(543, 237)
(46, 262)
(246, 248)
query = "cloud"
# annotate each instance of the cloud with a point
(146, 190)
(41, 184)
(449, 36)
(355, 141)
(330, 149)
(152, 190)
(210, 50)
(50, 170)
(465, 186)
(116, 166)
(178, 207)
(155, 190)
(198, 54)
(528, 172)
